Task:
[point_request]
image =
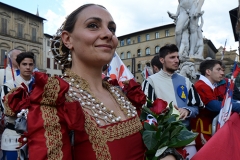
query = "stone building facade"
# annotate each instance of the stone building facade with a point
(21, 30)
(137, 49)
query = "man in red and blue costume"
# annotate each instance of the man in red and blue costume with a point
(211, 74)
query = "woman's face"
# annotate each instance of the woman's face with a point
(93, 40)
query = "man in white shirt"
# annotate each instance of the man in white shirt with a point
(172, 87)
(25, 61)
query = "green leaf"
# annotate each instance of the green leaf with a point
(159, 132)
(148, 111)
(150, 127)
(173, 141)
(160, 118)
(160, 151)
(185, 137)
(143, 116)
(149, 139)
(170, 108)
(171, 118)
(164, 141)
(155, 158)
(176, 130)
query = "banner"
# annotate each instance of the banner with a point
(147, 71)
(226, 109)
(118, 70)
(225, 143)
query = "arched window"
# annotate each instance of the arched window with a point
(139, 66)
(157, 48)
(21, 48)
(148, 51)
(129, 54)
(122, 55)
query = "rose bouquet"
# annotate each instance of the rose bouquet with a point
(162, 129)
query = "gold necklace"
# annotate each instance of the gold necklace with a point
(79, 90)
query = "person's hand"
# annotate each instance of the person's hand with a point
(183, 113)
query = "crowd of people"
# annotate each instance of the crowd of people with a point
(82, 116)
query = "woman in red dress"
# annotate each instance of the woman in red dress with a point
(102, 121)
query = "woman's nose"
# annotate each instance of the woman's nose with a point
(106, 33)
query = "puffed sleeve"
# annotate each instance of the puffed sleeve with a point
(16, 100)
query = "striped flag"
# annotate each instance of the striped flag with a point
(146, 72)
(118, 70)
(226, 109)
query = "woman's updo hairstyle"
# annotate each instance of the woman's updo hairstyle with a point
(61, 53)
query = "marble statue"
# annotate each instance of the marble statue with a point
(187, 28)
(187, 69)
(198, 50)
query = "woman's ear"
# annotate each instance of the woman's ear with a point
(66, 39)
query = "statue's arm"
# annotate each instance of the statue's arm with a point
(174, 16)
(198, 11)
(201, 25)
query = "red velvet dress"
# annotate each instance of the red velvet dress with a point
(51, 117)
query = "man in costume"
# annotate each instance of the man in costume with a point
(9, 143)
(172, 87)
(211, 74)
(8, 75)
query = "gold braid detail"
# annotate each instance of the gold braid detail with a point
(100, 136)
(52, 127)
(7, 110)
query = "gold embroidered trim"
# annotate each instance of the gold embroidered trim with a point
(123, 129)
(7, 110)
(52, 127)
(100, 136)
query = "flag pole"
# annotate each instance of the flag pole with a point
(224, 50)
(5, 66)
(13, 76)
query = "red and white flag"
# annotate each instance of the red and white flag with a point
(118, 70)
(226, 109)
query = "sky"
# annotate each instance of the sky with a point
(136, 15)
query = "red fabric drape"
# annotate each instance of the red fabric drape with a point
(225, 144)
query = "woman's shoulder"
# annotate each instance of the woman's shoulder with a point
(50, 90)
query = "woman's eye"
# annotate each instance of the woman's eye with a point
(92, 25)
(112, 29)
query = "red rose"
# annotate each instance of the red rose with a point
(159, 106)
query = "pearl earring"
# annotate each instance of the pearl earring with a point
(69, 57)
